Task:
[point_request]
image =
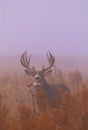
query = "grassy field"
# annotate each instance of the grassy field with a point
(15, 109)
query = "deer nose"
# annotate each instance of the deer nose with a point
(36, 77)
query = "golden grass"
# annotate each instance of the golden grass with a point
(15, 110)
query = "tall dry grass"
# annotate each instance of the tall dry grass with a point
(15, 109)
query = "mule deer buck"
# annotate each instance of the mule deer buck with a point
(39, 82)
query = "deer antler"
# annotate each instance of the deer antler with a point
(25, 61)
(51, 61)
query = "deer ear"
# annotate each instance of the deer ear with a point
(48, 73)
(30, 73)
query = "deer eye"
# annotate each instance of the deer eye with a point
(34, 74)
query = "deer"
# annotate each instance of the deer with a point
(39, 84)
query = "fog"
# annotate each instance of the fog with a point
(11, 64)
(38, 26)
(41, 26)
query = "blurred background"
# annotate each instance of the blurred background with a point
(60, 26)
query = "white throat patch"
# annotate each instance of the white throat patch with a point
(36, 84)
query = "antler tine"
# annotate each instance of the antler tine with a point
(22, 59)
(51, 61)
(25, 61)
(47, 55)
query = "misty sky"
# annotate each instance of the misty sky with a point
(60, 26)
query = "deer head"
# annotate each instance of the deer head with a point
(37, 75)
